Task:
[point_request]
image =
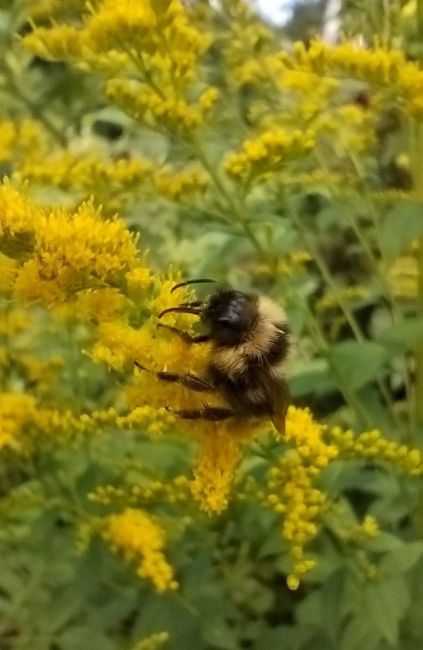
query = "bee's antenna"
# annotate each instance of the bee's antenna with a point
(181, 310)
(184, 284)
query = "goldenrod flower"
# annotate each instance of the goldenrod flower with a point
(17, 412)
(112, 182)
(140, 539)
(214, 472)
(178, 184)
(267, 152)
(18, 215)
(156, 41)
(371, 444)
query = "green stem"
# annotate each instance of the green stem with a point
(234, 207)
(348, 314)
(417, 163)
(36, 111)
(322, 346)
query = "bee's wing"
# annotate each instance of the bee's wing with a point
(278, 393)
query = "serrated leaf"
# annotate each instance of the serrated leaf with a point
(400, 227)
(359, 362)
(400, 560)
(384, 603)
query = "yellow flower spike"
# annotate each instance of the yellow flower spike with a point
(86, 175)
(370, 444)
(61, 43)
(107, 23)
(140, 539)
(375, 65)
(214, 472)
(267, 152)
(100, 305)
(177, 184)
(18, 214)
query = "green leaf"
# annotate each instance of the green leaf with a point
(403, 335)
(359, 634)
(359, 362)
(400, 227)
(384, 603)
(400, 560)
(313, 376)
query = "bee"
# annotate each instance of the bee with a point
(250, 342)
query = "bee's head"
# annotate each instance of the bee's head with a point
(229, 315)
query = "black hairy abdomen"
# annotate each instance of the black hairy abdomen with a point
(246, 394)
(253, 391)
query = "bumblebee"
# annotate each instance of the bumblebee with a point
(250, 341)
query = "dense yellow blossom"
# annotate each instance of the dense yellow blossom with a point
(171, 111)
(161, 48)
(141, 540)
(105, 179)
(139, 279)
(371, 444)
(214, 472)
(70, 251)
(64, 42)
(308, 437)
(100, 305)
(267, 152)
(403, 276)
(19, 140)
(17, 412)
(376, 65)
(178, 184)
(18, 214)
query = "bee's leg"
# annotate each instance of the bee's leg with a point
(201, 338)
(211, 413)
(188, 380)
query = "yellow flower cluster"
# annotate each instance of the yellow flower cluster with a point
(368, 529)
(69, 252)
(17, 411)
(371, 444)
(292, 492)
(291, 484)
(175, 185)
(308, 437)
(375, 65)
(214, 472)
(156, 42)
(100, 305)
(403, 276)
(88, 176)
(140, 494)
(171, 111)
(353, 293)
(140, 539)
(19, 140)
(267, 152)
(18, 214)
